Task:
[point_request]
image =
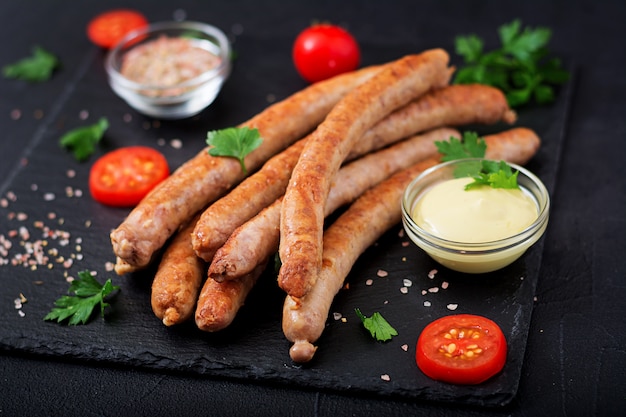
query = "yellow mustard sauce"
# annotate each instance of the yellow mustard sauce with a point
(479, 215)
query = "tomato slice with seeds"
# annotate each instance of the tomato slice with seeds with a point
(108, 28)
(122, 178)
(461, 349)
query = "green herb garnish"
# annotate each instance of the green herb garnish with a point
(36, 68)
(82, 140)
(378, 327)
(492, 173)
(234, 142)
(518, 67)
(88, 294)
(471, 146)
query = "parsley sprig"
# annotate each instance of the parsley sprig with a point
(234, 142)
(36, 68)
(88, 294)
(496, 174)
(82, 140)
(520, 67)
(379, 328)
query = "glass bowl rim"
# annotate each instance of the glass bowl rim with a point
(154, 28)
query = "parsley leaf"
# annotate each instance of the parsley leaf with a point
(82, 140)
(88, 294)
(36, 68)
(492, 173)
(234, 142)
(378, 327)
(518, 67)
(496, 175)
(471, 146)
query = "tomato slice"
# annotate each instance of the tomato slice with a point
(461, 349)
(123, 177)
(108, 28)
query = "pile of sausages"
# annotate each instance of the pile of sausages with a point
(353, 141)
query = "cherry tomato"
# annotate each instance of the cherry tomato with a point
(461, 349)
(322, 51)
(121, 178)
(108, 28)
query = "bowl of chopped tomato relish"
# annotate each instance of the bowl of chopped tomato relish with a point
(170, 70)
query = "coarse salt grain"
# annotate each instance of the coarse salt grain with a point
(176, 143)
(433, 290)
(385, 377)
(444, 285)
(369, 282)
(432, 273)
(427, 303)
(70, 173)
(452, 306)
(48, 196)
(404, 290)
(337, 316)
(382, 273)
(407, 282)
(405, 347)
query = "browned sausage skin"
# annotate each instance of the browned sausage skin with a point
(178, 279)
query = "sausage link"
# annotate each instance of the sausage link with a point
(453, 105)
(177, 280)
(302, 215)
(219, 302)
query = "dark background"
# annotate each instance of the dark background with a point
(574, 360)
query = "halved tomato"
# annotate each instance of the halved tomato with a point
(108, 28)
(122, 178)
(461, 349)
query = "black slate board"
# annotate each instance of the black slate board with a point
(253, 348)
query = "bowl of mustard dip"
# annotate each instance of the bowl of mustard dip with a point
(476, 229)
(170, 70)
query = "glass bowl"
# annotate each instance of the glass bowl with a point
(170, 70)
(474, 258)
